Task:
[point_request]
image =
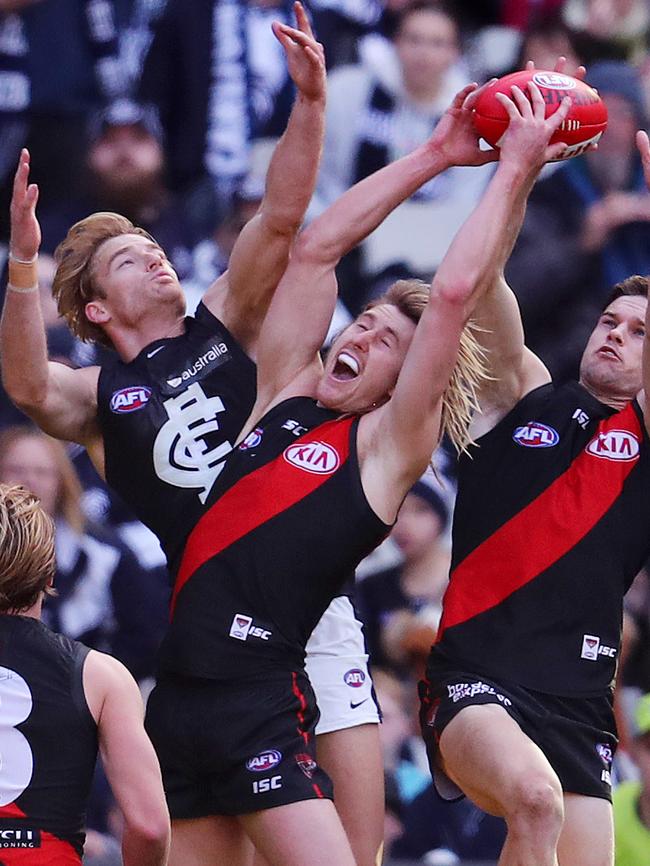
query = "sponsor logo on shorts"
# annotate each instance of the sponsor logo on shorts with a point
(307, 764)
(262, 786)
(355, 704)
(252, 440)
(14, 837)
(317, 457)
(242, 628)
(264, 761)
(355, 678)
(614, 445)
(554, 81)
(536, 435)
(216, 354)
(130, 399)
(592, 648)
(460, 691)
(606, 756)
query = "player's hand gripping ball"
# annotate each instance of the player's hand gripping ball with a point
(584, 125)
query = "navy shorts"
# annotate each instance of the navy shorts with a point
(230, 749)
(577, 735)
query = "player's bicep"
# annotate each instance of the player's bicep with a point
(68, 409)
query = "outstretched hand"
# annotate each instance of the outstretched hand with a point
(643, 144)
(526, 140)
(455, 136)
(25, 230)
(305, 56)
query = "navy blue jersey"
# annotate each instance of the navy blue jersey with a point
(287, 524)
(169, 419)
(551, 525)
(48, 741)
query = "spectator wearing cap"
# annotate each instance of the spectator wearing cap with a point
(125, 173)
(400, 606)
(587, 227)
(632, 799)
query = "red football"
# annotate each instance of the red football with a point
(584, 125)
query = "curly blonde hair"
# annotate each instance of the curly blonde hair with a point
(460, 399)
(26, 549)
(74, 284)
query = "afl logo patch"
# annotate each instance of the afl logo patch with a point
(130, 399)
(536, 435)
(252, 440)
(266, 760)
(554, 81)
(355, 678)
(317, 457)
(615, 445)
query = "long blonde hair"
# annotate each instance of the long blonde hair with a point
(460, 399)
(26, 549)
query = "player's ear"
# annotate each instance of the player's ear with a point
(96, 312)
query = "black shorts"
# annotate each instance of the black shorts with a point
(230, 749)
(577, 735)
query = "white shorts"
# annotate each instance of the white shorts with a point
(337, 666)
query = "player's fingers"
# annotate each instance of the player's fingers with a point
(580, 73)
(475, 94)
(296, 36)
(508, 104)
(530, 65)
(302, 21)
(537, 100)
(643, 144)
(21, 175)
(558, 117)
(314, 56)
(560, 64)
(555, 151)
(459, 100)
(521, 101)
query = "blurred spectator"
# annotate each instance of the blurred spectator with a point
(587, 227)
(524, 13)
(58, 62)
(546, 40)
(103, 597)
(378, 111)
(400, 607)
(197, 74)
(609, 29)
(125, 173)
(632, 799)
(634, 677)
(431, 824)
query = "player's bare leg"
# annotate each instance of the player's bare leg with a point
(352, 759)
(489, 757)
(308, 833)
(206, 841)
(588, 832)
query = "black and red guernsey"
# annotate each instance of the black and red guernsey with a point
(169, 419)
(551, 525)
(286, 525)
(48, 743)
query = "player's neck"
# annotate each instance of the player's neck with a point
(616, 401)
(129, 342)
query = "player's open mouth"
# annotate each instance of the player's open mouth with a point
(608, 352)
(346, 368)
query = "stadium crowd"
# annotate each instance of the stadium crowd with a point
(167, 112)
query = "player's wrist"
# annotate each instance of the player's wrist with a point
(23, 273)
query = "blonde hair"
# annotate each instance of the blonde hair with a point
(26, 549)
(460, 398)
(74, 284)
(69, 490)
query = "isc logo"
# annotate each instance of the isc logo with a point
(592, 648)
(536, 435)
(355, 678)
(130, 399)
(261, 786)
(317, 457)
(614, 445)
(264, 761)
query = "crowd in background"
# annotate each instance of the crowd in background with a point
(167, 111)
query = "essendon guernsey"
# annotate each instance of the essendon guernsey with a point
(551, 525)
(49, 745)
(287, 524)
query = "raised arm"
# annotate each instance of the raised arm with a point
(304, 302)
(412, 415)
(644, 149)
(240, 297)
(129, 760)
(60, 400)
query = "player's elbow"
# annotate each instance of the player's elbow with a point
(314, 246)
(456, 292)
(26, 394)
(148, 828)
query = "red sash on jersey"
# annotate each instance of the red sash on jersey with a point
(263, 494)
